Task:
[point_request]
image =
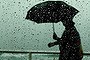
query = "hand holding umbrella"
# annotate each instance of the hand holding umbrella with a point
(52, 12)
(55, 37)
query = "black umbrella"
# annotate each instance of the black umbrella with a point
(51, 12)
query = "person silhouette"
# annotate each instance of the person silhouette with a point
(69, 43)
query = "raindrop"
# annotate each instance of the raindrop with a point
(35, 6)
(76, 0)
(15, 37)
(32, 34)
(38, 34)
(19, 2)
(15, 12)
(14, 2)
(62, 5)
(79, 23)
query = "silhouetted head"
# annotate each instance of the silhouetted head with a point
(68, 23)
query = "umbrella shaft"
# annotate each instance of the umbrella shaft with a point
(53, 28)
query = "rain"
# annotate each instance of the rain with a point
(17, 33)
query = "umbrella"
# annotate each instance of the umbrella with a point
(51, 12)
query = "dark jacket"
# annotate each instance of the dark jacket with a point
(70, 45)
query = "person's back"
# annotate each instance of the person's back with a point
(70, 46)
(70, 43)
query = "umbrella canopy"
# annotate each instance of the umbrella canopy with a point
(51, 12)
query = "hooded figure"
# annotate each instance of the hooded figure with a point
(69, 43)
(53, 12)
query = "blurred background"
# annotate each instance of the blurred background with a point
(16, 33)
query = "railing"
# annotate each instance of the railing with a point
(34, 52)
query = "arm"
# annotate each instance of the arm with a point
(51, 44)
(55, 37)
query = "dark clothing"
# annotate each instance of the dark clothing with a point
(70, 45)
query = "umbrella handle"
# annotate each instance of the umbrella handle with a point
(53, 28)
